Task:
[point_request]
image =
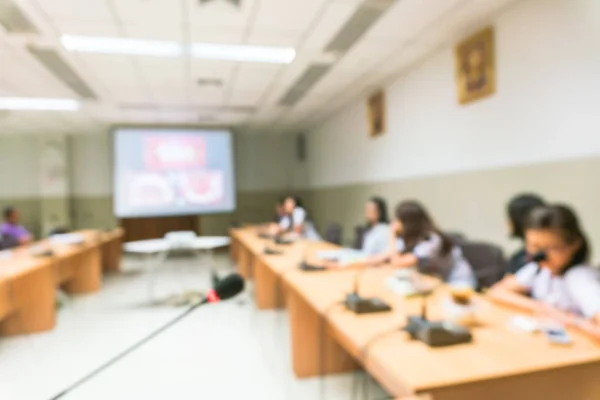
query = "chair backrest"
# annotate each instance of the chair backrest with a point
(359, 236)
(180, 239)
(8, 242)
(333, 234)
(457, 238)
(487, 261)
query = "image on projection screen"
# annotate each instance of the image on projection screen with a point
(160, 172)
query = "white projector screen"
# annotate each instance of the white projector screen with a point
(168, 172)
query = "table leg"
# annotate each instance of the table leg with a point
(314, 350)
(267, 286)
(33, 301)
(87, 272)
(112, 253)
(245, 263)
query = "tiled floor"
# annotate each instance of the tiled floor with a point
(223, 351)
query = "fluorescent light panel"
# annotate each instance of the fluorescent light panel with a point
(38, 104)
(210, 51)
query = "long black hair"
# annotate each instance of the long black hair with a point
(417, 225)
(562, 219)
(518, 210)
(382, 211)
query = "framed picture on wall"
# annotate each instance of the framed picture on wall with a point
(475, 66)
(376, 114)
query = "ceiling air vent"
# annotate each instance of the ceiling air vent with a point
(50, 59)
(13, 19)
(313, 74)
(359, 23)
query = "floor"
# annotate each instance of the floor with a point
(222, 351)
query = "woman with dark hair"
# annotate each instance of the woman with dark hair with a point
(376, 236)
(559, 282)
(518, 210)
(418, 242)
(295, 219)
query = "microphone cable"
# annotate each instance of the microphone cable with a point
(364, 355)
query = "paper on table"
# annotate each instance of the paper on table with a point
(342, 256)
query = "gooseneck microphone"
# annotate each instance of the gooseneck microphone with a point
(225, 289)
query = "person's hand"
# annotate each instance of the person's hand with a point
(330, 264)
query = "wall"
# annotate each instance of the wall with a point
(539, 132)
(263, 166)
(19, 178)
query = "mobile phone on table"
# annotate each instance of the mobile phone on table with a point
(557, 335)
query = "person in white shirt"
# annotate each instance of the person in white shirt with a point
(417, 242)
(295, 220)
(560, 284)
(376, 237)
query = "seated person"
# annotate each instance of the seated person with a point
(416, 242)
(518, 211)
(376, 236)
(560, 284)
(11, 230)
(295, 220)
(279, 211)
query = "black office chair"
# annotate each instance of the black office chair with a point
(457, 238)
(359, 236)
(8, 242)
(334, 234)
(487, 261)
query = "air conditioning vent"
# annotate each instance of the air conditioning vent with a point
(359, 23)
(313, 74)
(50, 59)
(13, 19)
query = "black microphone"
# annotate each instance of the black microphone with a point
(225, 289)
(538, 257)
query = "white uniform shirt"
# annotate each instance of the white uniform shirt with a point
(577, 291)
(452, 267)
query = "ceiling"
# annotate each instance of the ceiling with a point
(150, 90)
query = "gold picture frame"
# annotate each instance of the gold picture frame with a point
(475, 66)
(376, 114)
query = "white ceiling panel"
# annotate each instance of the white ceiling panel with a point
(171, 32)
(113, 70)
(219, 15)
(209, 96)
(77, 10)
(202, 34)
(149, 12)
(245, 98)
(75, 27)
(329, 23)
(288, 15)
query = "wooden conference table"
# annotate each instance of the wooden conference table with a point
(500, 364)
(29, 276)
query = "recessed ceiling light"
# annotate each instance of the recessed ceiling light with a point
(156, 48)
(38, 104)
(211, 51)
(108, 45)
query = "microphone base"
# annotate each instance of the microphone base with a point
(362, 305)
(437, 334)
(272, 252)
(311, 268)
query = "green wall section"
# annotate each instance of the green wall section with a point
(472, 202)
(97, 212)
(30, 209)
(93, 212)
